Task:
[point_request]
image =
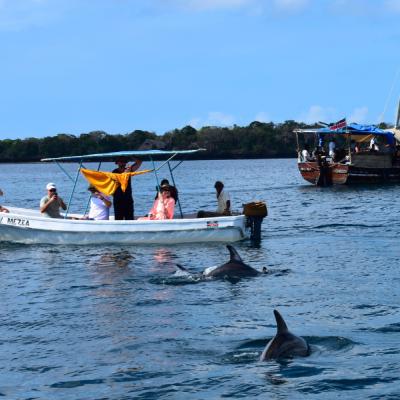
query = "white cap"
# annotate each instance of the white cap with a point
(51, 185)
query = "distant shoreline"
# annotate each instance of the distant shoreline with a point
(176, 158)
(258, 140)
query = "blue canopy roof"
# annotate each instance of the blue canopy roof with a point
(355, 129)
(130, 153)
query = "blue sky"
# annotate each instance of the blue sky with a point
(74, 66)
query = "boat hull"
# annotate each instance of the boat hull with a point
(25, 226)
(339, 174)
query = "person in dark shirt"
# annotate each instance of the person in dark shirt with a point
(123, 201)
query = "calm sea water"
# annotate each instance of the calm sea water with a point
(111, 322)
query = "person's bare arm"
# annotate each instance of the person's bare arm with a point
(62, 204)
(134, 167)
(103, 199)
(46, 205)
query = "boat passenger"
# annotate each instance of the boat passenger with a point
(373, 144)
(51, 203)
(332, 147)
(99, 205)
(305, 154)
(173, 189)
(224, 203)
(3, 209)
(123, 201)
(163, 206)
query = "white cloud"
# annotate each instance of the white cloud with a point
(214, 118)
(263, 117)
(254, 7)
(317, 113)
(209, 5)
(195, 123)
(291, 5)
(392, 5)
(18, 15)
(219, 118)
(358, 115)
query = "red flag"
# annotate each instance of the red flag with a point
(338, 125)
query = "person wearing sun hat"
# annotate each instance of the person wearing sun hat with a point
(51, 203)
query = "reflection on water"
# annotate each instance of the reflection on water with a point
(119, 259)
(164, 256)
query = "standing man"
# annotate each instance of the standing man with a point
(223, 198)
(123, 201)
(50, 205)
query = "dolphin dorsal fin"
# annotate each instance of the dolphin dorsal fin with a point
(234, 254)
(281, 326)
(180, 267)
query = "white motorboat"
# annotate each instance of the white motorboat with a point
(22, 225)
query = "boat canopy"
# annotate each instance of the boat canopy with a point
(360, 132)
(115, 154)
(100, 157)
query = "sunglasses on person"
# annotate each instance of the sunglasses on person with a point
(52, 190)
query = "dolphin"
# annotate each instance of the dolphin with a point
(233, 270)
(284, 344)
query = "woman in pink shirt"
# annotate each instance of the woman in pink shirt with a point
(163, 207)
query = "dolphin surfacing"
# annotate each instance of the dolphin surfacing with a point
(234, 268)
(284, 344)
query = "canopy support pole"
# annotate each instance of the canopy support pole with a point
(155, 173)
(73, 189)
(65, 172)
(173, 181)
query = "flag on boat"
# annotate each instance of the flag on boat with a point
(108, 182)
(338, 125)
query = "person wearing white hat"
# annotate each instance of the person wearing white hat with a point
(51, 203)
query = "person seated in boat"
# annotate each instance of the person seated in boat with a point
(340, 155)
(332, 148)
(99, 205)
(51, 203)
(396, 155)
(224, 203)
(318, 153)
(353, 145)
(373, 145)
(305, 153)
(163, 206)
(173, 190)
(3, 209)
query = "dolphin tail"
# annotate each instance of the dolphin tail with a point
(234, 254)
(281, 326)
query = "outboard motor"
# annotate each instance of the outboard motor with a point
(255, 212)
